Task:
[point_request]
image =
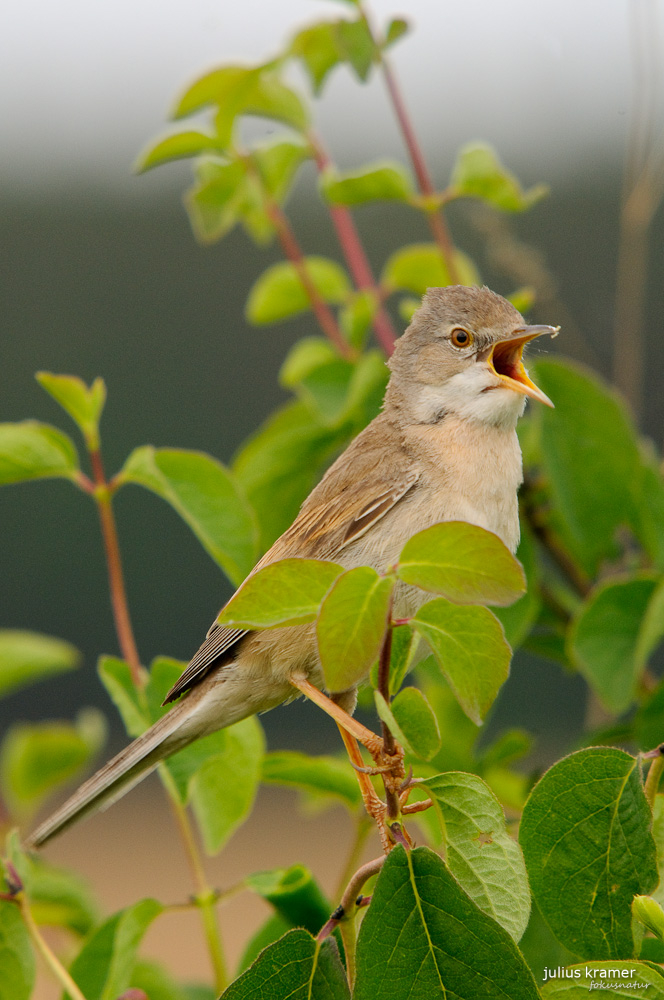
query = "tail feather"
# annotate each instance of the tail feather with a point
(115, 778)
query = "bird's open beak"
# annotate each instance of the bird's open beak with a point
(505, 360)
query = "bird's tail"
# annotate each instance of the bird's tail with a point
(129, 767)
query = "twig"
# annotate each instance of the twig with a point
(643, 188)
(424, 182)
(363, 826)
(123, 626)
(654, 773)
(353, 250)
(344, 915)
(293, 252)
(49, 956)
(205, 898)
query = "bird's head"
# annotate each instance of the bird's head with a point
(462, 355)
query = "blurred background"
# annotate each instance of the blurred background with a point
(101, 275)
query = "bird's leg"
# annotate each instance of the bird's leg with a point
(390, 766)
(373, 743)
(373, 804)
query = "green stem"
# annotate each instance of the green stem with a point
(50, 958)
(348, 931)
(363, 826)
(205, 898)
(653, 779)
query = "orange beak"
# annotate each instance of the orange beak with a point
(505, 360)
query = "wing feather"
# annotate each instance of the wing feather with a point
(336, 513)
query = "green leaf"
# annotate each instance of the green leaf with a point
(319, 51)
(223, 789)
(218, 198)
(279, 293)
(320, 775)
(351, 626)
(357, 46)
(356, 317)
(60, 898)
(511, 745)
(466, 564)
(478, 173)
(240, 90)
(177, 146)
(157, 984)
(294, 894)
(518, 618)
(278, 162)
(417, 722)
(384, 181)
(281, 462)
(287, 592)
(419, 266)
(304, 357)
(423, 937)
(31, 450)
(83, 404)
(585, 835)
(104, 966)
(470, 647)
(115, 675)
(207, 497)
(658, 837)
(269, 932)
(37, 758)
(523, 299)
(26, 657)
(396, 29)
(17, 964)
(458, 733)
(593, 464)
(297, 967)
(480, 853)
(634, 978)
(603, 640)
(651, 628)
(340, 391)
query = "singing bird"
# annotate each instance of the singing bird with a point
(443, 448)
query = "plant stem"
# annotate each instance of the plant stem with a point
(641, 197)
(205, 897)
(363, 826)
(348, 931)
(49, 956)
(353, 250)
(424, 182)
(653, 779)
(293, 252)
(123, 626)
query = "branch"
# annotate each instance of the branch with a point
(353, 250)
(424, 181)
(123, 625)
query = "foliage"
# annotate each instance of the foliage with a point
(587, 590)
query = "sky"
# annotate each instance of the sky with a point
(84, 84)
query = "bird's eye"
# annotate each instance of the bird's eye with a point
(461, 337)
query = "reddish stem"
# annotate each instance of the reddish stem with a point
(123, 626)
(355, 255)
(424, 182)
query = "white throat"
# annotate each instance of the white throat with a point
(474, 394)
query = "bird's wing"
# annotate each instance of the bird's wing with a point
(356, 492)
(219, 640)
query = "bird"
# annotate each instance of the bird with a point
(443, 448)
